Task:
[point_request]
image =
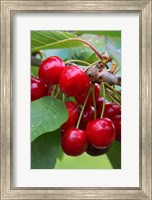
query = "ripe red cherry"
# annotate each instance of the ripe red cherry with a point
(117, 123)
(74, 141)
(81, 97)
(73, 81)
(101, 132)
(88, 115)
(72, 115)
(93, 151)
(39, 89)
(50, 70)
(100, 102)
(111, 110)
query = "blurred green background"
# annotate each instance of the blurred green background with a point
(83, 162)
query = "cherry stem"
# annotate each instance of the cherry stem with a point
(83, 107)
(91, 65)
(71, 39)
(54, 89)
(41, 55)
(114, 90)
(94, 101)
(44, 55)
(63, 97)
(104, 100)
(117, 71)
(113, 98)
(49, 89)
(77, 61)
(113, 95)
(57, 92)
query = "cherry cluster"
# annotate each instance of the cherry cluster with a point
(85, 130)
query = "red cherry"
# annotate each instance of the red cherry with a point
(100, 102)
(74, 141)
(73, 115)
(117, 123)
(101, 132)
(93, 151)
(73, 81)
(80, 98)
(88, 115)
(50, 70)
(110, 110)
(38, 88)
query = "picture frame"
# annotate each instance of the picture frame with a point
(8, 9)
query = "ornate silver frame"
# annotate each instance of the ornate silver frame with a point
(8, 9)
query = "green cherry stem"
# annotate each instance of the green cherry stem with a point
(57, 92)
(104, 100)
(117, 71)
(94, 102)
(91, 65)
(114, 90)
(63, 97)
(49, 90)
(83, 107)
(113, 98)
(113, 94)
(43, 55)
(54, 90)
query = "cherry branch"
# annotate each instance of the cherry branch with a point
(109, 78)
(97, 76)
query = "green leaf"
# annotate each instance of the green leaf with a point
(47, 114)
(114, 155)
(44, 151)
(85, 53)
(34, 71)
(52, 40)
(110, 48)
(101, 43)
(105, 33)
